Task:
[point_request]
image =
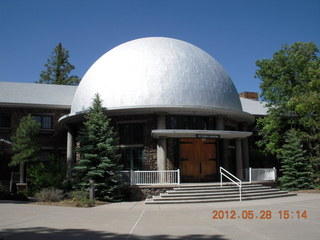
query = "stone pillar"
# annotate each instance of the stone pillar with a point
(161, 145)
(162, 154)
(245, 150)
(239, 163)
(70, 155)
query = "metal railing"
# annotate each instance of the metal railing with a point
(160, 177)
(228, 175)
(262, 174)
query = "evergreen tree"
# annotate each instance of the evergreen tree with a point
(58, 69)
(25, 144)
(25, 141)
(295, 169)
(99, 155)
(290, 84)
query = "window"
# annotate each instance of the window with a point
(132, 158)
(5, 120)
(188, 122)
(131, 139)
(44, 120)
(131, 133)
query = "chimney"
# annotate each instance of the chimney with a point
(250, 95)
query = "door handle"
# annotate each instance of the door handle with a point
(200, 168)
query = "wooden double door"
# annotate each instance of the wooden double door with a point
(198, 160)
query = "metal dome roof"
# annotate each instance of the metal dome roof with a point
(157, 73)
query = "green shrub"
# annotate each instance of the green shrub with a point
(81, 198)
(50, 195)
(79, 195)
(47, 174)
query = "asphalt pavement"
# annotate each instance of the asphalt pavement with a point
(296, 217)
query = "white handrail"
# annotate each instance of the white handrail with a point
(262, 174)
(158, 177)
(224, 174)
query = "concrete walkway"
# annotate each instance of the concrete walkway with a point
(136, 220)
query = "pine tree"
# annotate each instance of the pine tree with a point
(99, 155)
(296, 167)
(25, 141)
(25, 144)
(58, 69)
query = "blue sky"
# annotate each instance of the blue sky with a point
(235, 32)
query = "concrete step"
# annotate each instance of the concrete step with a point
(215, 186)
(209, 190)
(152, 201)
(217, 196)
(197, 193)
(211, 193)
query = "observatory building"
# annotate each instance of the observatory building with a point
(174, 105)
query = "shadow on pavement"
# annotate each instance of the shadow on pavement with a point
(17, 202)
(43, 233)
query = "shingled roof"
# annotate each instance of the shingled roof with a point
(15, 94)
(254, 107)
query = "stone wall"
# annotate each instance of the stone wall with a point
(140, 193)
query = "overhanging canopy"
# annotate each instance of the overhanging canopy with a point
(182, 133)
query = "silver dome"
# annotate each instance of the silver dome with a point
(158, 73)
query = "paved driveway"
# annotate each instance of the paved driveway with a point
(135, 220)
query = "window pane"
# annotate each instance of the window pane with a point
(37, 119)
(5, 120)
(137, 133)
(188, 122)
(131, 133)
(47, 122)
(132, 158)
(44, 121)
(125, 155)
(137, 159)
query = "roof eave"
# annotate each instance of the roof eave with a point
(33, 105)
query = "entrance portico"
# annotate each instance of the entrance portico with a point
(198, 160)
(200, 154)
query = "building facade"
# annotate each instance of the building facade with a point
(47, 104)
(173, 105)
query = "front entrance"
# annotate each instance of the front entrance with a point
(198, 160)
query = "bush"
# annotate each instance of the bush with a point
(50, 195)
(81, 198)
(48, 174)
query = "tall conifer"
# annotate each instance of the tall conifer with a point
(25, 145)
(58, 69)
(99, 155)
(295, 167)
(25, 141)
